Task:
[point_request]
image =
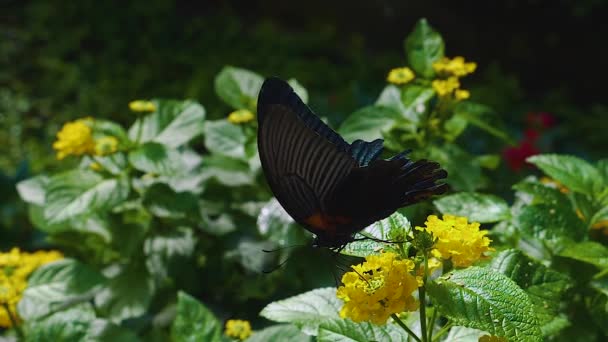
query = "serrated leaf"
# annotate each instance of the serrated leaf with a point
(157, 159)
(78, 192)
(574, 173)
(32, 190)
(549, 224)
(238, 88)
(68, 325)
(56, 286)
(368, 123)
(544, 286)
(194, 322)
(393, 228)
(483, 208)
(162, 201)
(167, 250)
(343, 330)
(224, 138)
(299, 89)
(423, 47)
(128, 293)
(281, 332)
(589, 251)
(306, 311)
(544, 194)
(173, 124)
(483, 299)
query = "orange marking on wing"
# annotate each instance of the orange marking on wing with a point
(325, 222)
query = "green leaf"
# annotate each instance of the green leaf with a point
(101, 330)
(79, 192)
(306, 311)
(275, 224)
(128, 293)
(393, 228)
(224, 138)
(602, 167)
(114, 164)
(157, 159)
(57, 286)
(228, 171)
(544, 194)
(463, 173)
(338, 330)
(488, 161)
(33, 190)
(194, 322)
(415, 98)
(453, 127)
(464, 334)
(599, 216)
(103, 127)
(68, 325)
(478, 115)
(423, 47)
(368, 123)
(550, 225)
(477, 207)
(162, 201)
(482, 299)
(168, 250)
(174, 124)
(544, 286)
(299, 89)
(574, 173)
(252, 256)
(238, 88)
(590, 252)
(281, 332)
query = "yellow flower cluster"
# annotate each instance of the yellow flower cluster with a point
(450, 70)
(457, 239)
(142, 106)
(455, 66)
(400, 76)
(75, 138)
(15, 268)
(241, 116)
(377, 288)
(237, 328)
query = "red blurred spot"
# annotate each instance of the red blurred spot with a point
(540, 119)
(516, 156)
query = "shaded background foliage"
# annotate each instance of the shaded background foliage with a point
(63, 59)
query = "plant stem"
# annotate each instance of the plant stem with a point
(432, 324)
(442, 331)
(422, 295)
(408, 330)
(14, 322)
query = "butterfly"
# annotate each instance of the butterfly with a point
(332, 188)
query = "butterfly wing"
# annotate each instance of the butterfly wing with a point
(303, 159)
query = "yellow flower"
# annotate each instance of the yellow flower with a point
(446, 87)
(457, 239)
(400, 75)
(75, 138)
(454, 67)
(240, 116)
(237, 328)
(461, 94)
(142, 106)
(15, 268)
(106, 145)
(377, 288)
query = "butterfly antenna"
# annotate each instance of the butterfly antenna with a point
(277, 266)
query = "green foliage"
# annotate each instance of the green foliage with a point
(194, 322)
(475, 206)
(423, 47)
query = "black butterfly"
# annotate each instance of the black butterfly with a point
(332, 188)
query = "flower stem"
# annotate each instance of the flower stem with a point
(408, 330)
(14, 322)
(422, 295)
(432, 324)
(442, 331)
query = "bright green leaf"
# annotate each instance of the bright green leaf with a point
(275, 224)
(488, 161)
(33, 190)
(464, 174)
(224, 138)
(78, 192)
(71, 325)
(228, 171)
(339, 330)
(549, 224)
(599, 216)
(174, 123)
(306, 311)
(166, 251)
(574, 173)
(423, 47)
(57, 286)
(194, 322)
(483, 299)
(393, 228)
(477, 207)
(453, 127)
(162, 201)
(238, 88)
(589, 251)
(157, 159)
(544, 194)
(368, 123)
(281, 332)
(464, 334)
